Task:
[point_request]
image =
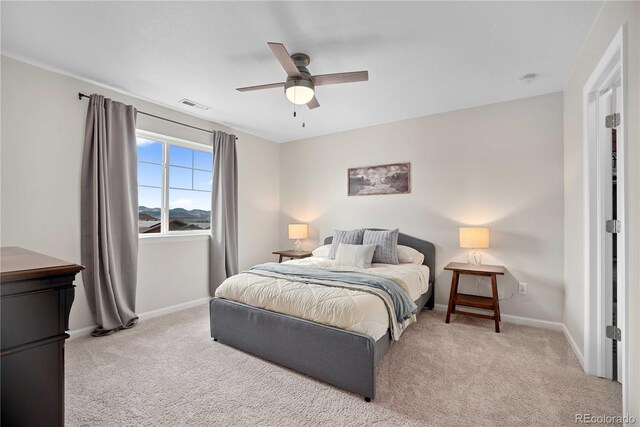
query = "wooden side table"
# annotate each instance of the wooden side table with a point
(292, 254)
(475, 301)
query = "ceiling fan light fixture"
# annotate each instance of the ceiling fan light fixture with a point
(299, 91)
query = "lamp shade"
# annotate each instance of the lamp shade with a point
(474, 237)
(297, 231)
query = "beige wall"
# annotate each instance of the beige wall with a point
(41, 158)
(613, 15)
(499, 165)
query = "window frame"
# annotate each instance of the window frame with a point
(167, 141)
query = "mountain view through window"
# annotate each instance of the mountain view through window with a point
(174, 185)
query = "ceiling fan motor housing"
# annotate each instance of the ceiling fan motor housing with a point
(301, 89)
(301, 60)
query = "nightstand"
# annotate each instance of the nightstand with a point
(292, 254)
(475, 301)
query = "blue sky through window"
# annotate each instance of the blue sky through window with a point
(189, 170)
(202, 180)
(149, 151)
(180, 177)
(150, 174)
(203, 160)
(179, 156)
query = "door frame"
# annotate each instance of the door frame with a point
(610, 69)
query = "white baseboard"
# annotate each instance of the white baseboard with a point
(527, 321)
(83, 332)
(573, 345)
(173, 308)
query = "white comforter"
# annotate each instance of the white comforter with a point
(348, 309)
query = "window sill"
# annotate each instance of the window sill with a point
(177, 237)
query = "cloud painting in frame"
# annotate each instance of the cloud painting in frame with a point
(394, 178)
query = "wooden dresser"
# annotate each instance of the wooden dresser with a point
(36, 297)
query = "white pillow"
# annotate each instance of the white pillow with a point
(355, 255)
(407, 255)
(322, 251)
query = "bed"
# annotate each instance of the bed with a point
(344, 355)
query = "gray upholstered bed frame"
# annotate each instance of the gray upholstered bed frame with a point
(345, 359)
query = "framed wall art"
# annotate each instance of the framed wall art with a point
(393, 178)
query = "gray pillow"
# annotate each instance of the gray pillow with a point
(387, 241)
(349, 237)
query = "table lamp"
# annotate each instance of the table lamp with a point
(297, 231)
(474, 238)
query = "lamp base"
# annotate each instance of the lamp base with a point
(474, 257)
(297, 246)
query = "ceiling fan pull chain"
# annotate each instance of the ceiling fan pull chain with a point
(294, 104)
(303, 117)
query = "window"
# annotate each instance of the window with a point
(174, 185)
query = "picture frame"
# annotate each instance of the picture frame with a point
(390, 178)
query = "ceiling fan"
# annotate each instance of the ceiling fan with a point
(300, 84)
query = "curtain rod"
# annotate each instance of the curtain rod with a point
(82, 95)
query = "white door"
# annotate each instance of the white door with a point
(618, 242)
(607, 262)
(611, 206)
(605, 271)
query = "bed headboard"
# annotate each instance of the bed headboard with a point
(428, 249)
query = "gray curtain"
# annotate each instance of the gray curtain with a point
(224, 210)
(109, 214)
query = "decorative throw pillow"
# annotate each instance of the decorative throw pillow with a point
(387, 241)
(350, 237)
(322, 251)
(355, 255)
(408, 255)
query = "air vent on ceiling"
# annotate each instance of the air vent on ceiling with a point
(527, 79)
(191, 103)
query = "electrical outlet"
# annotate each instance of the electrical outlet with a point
(522, 288)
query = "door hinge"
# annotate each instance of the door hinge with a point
(614, 333)
(612, 120)
(613, 226)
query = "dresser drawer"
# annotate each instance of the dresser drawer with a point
(30, 317)
(33, 386)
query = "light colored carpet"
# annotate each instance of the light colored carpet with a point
(168, 371)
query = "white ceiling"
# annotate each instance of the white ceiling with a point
(423, 57)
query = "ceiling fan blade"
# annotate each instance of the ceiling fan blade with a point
(313, 103)
(337, 78)
(260, 87)
(285, 60)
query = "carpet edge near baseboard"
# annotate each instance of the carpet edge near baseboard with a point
(86, 331)
(519, 320)
(573, 345)
(537, 323)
